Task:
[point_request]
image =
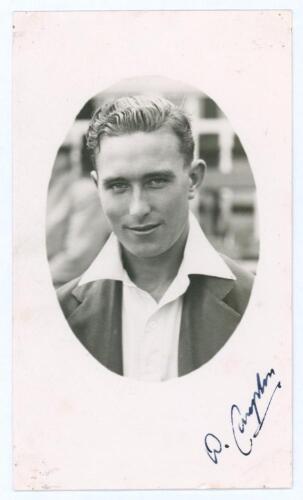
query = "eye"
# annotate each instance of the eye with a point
(119, 187)
(157, 182)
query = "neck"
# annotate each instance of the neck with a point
(155, 274)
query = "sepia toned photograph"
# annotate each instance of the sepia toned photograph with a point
(152, 197)
(152, 230)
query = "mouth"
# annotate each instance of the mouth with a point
(143, 229)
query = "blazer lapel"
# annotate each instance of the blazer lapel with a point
(207, 321)
(97, 321)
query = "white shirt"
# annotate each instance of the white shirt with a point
(150, 329)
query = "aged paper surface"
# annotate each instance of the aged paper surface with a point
(76, 424)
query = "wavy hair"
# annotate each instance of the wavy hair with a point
(142, 113)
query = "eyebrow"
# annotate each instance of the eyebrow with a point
(168, 174)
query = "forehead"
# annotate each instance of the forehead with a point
(139, 150)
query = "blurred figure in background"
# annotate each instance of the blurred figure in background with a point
(76, 228)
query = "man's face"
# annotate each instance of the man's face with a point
(144, 190)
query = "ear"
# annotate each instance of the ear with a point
(196, 175)
(94, 176)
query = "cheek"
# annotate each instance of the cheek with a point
(178, 200)
(112, 207)
(177, 208)
(106, 204)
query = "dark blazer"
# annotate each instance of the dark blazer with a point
(212, 309)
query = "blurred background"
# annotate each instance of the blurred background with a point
(226, 205)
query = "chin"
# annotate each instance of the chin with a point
(144, 251)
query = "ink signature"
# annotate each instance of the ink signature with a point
(246, 425)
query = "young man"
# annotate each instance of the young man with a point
(158, 301)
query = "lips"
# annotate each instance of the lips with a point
(143, 229)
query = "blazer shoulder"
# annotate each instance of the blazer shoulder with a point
(71, 295)
(240, 293)
(67, 300)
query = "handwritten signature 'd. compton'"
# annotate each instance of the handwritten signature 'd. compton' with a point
(246, 424)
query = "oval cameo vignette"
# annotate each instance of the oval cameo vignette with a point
(78, 230)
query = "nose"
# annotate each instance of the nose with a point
(139, 205)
